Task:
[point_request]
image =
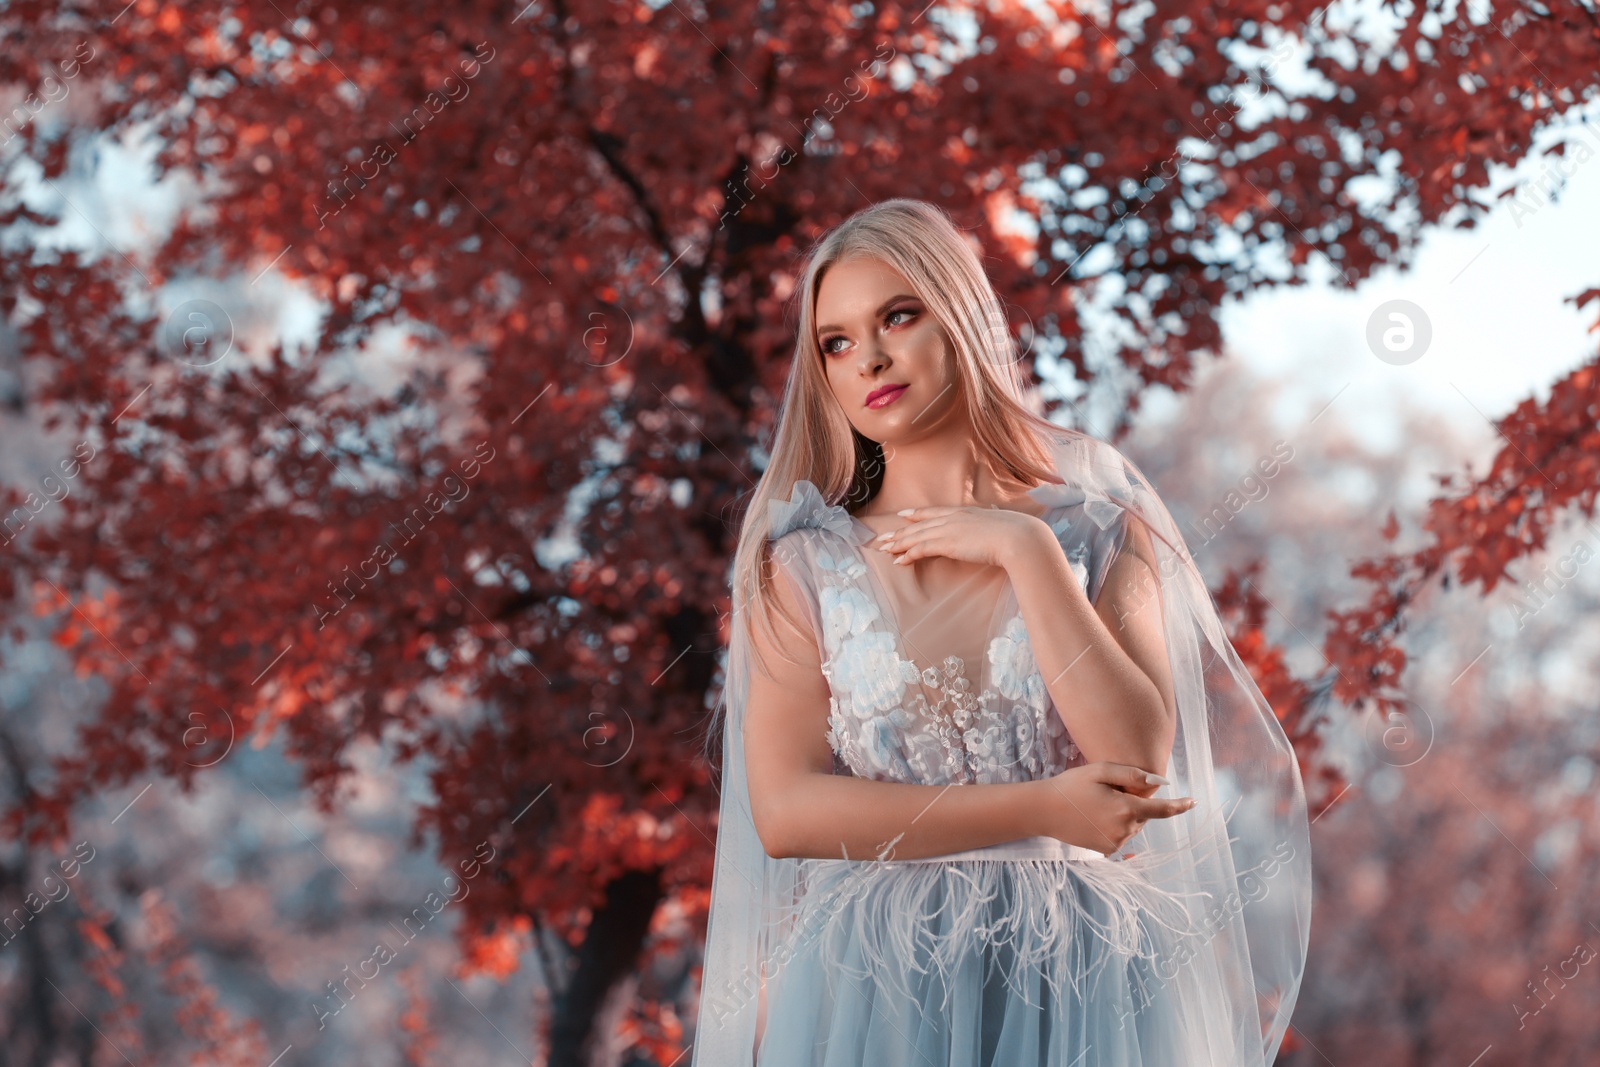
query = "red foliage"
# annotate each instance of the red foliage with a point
(578, 213)
(1549, 466)
(221, 1039)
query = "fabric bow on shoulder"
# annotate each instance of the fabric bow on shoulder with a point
(805, 507)
(1104, 490)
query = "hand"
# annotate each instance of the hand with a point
(1102, 805)
(992, 536)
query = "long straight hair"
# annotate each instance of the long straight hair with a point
(814, 439)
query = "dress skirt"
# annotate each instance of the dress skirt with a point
(970, 961)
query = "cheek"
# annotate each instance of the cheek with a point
(932, 341)
(831, 370)
(933, 351)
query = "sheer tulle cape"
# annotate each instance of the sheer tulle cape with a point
(1211, 910)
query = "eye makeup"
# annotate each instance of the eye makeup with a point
(886, 312)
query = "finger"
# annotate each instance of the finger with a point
(1161, 807)
(906, 535)
(1130, 779)
(925, 512)
(923, 541)
(916, 552)
(1091, 820)
(889, 538)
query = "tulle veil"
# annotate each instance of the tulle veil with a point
(1244, 851)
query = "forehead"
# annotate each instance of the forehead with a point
(858, 285)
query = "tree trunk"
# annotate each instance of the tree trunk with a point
(608, 953)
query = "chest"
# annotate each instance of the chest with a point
(939, 610)
(931, 673)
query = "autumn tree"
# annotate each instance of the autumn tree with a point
(481, 510)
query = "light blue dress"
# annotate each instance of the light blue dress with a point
(1030, 953)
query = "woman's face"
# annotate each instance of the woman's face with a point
(879, 341)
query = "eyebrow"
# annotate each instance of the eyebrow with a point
(881, 309)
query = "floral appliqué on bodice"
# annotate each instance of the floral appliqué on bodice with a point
(882, 723)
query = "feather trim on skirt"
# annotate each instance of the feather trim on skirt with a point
(977, 962)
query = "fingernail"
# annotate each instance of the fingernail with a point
(1155, 779)
(905, 511)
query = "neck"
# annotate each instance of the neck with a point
(943, 468)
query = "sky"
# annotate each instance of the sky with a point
(1492, 294)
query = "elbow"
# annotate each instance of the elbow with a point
(1156, 755)
(1150, 760)
(1153, 751)
(1159, 752)
(772, 831)
(774, 846)
(788, 816)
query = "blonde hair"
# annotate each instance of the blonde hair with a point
(815, 441)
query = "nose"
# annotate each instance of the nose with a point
(871, 354)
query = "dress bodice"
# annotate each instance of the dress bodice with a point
(947, 693)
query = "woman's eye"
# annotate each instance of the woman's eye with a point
(891, 319)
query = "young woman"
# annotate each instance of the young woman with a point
(969, 648)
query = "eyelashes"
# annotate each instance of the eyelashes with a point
(909, 312)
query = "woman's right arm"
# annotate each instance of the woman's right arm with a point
(802, 809)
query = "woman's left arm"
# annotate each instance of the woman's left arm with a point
(1105, 663)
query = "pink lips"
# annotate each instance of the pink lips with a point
(885, 396)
